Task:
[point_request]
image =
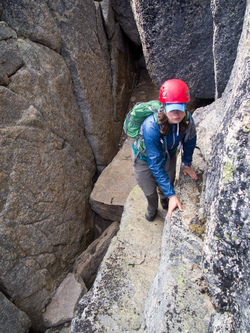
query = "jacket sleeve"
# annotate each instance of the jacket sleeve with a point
(189, 144)
(155, 158)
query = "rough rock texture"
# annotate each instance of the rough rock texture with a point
(102, 68)
(187, 39)
(226, 194)
(114, 185)
(124, 70)
(47, 165)
(177, 42)
(10, 57)
(178, 301)
(228, 18)
(125, 17)
(32, 19)
(12, 320)
(115, 303)
(46, 170)
(87, 264)
(127, 295)
(59, 329)
(62, 306)
(102, 80)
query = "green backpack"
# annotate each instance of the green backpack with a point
(134, 120)
(137, 115)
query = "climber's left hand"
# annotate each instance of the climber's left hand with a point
(189, 171)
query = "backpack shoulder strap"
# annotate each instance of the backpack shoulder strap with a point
(155, 116)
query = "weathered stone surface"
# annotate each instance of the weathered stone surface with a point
(109, 19)
(10, 57)
(4, 80)
(226, 197)
(46, 170)
(6, 32)
(177, 42)
(124, 16)
(46, 164)
(114, 185)
(123, 76)
(12, 320)
(178, 285)
(116, 300)
(99, 77)
(228, 18)
(32, 19)
(62, 306)
(87, 264)
(221, 322)
(222, 201)
(101, 225)
(179, 281)
(59, 329)
(177, 302)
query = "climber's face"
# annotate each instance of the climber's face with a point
(175, 116)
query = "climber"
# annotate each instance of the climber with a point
(154, 169)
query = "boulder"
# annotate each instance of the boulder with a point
(62, 306)
(228, 19)
(109, 18)
(32, 20)
(46, 171)
(12, 320)
(10, 57)
(178, 300)
(6, 32)
(114, 185)
(87, 264)
(124, 16)
(103, 77)
(226, 197)
(177, 42)
(124, 76)
(116, 300)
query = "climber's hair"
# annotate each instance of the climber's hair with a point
(165, 128)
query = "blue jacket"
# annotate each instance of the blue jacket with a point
(156, 146)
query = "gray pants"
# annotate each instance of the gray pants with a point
(147, 182)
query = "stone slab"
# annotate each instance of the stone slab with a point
(114, 185)
(61, 309)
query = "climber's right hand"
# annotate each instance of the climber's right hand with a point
(172, 204)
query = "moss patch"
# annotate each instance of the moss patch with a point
(228, 170)
(198, 228)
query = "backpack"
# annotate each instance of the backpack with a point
(137, 115)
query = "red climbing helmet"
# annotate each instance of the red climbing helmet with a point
(174, 91)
